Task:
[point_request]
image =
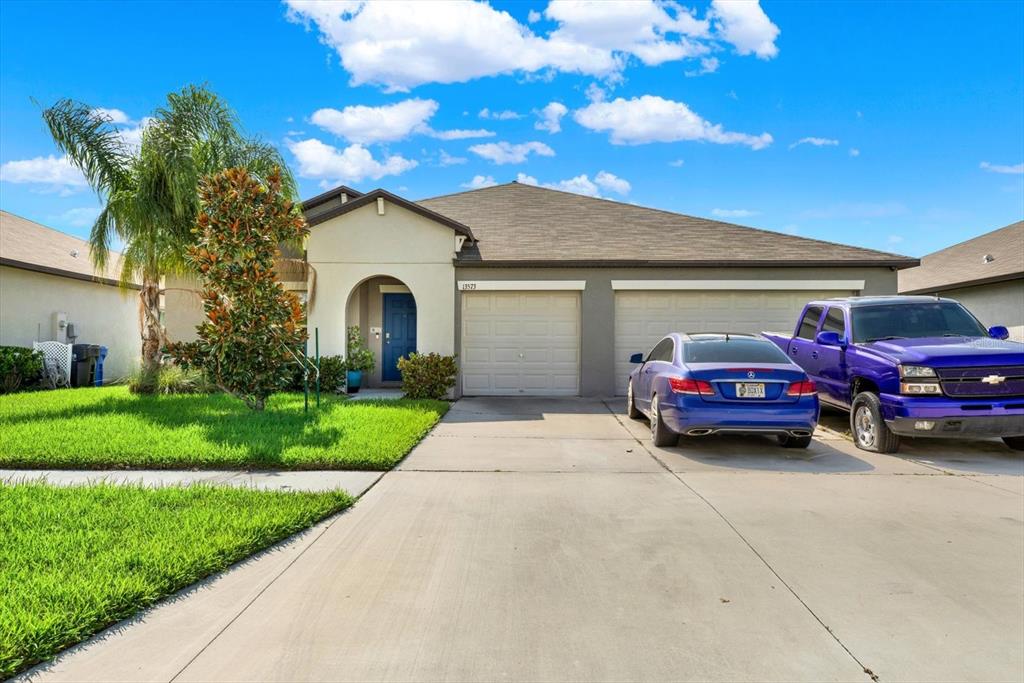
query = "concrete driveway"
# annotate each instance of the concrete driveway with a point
(547, 540)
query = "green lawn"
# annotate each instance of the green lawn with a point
(75, 560)
(109, 427)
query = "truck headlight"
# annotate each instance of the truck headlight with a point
(916, 371)
(920, 388)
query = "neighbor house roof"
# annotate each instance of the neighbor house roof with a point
(992, 257)
(31, 246)
(518, 224)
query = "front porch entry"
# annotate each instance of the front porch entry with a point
(385, 309)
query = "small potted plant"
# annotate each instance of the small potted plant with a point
(358, 360)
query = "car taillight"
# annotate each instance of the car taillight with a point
(805, 388)
(690, 386)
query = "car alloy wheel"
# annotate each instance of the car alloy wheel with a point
(865, 428)
(629, 398)
(654, 415)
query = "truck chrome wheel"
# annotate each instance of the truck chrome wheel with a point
(864, 426)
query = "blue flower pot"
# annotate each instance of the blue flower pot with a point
(353, 379)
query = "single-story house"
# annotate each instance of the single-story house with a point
(542, 292)
(49, 291)
(985, 274)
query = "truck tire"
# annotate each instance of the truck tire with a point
(1014, 442)
(870, 433)
(790, 441)
(631, 409)
(661, 435)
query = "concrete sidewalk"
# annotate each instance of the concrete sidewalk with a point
(355, 482)
(546, 540)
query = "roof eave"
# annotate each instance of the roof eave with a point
(1006, 277)
(373, 195)
(627, 263)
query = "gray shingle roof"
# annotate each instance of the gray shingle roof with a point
(524, 223)
(965, 263)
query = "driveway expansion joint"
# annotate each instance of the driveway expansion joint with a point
(871, 674)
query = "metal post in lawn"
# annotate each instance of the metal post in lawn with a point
(305, 372)
(316, 335)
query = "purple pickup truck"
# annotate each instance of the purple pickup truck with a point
(911, 366)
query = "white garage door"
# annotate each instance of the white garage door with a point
(644, 317)
(520, 343)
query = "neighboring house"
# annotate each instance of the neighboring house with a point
(48, 287)
(985, 274)
(542, 292)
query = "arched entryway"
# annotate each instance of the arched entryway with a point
(385, 310)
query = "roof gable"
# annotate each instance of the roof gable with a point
(373, 196)
(526, 224)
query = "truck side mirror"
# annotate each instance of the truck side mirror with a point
(830, 339)
(998, 332)
(636, 358)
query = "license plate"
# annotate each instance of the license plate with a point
(749, 390)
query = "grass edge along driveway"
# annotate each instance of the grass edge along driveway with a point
(111, 428)
(74, 560)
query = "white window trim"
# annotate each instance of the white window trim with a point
(521, 285)
(762, 285)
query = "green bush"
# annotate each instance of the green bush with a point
(427, 375)
(358, 358)
(332, 373)
(19, 367)
(169, 379)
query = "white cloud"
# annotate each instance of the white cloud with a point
(550, 117)
(480, 181)
(400, 45)
(894, 239)
(596, 93)
(1016, 169)
(460, 133)
(132, 135)
(861, 210)
(533, 17)
(745, 25)
(650, 118)
(676, 163)
(816, 142)
(351, 164)
(446, 159)
(112, 115)
(612, 183)
(854, 152)
(507, 153)
(362, 124)
(582, 184)
(55, 174)
(708, 65)
(733, 213)
(791, 229)
(506, 115)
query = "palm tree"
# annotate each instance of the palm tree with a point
(150, 191)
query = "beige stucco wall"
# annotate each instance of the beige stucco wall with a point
(183, 309)
(357, 246)
(999, 303)
(102, 314)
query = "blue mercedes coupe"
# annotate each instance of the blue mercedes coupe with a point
(698, 384)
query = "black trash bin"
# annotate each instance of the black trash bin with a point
(83, 364)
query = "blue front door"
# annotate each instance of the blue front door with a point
(399, 333)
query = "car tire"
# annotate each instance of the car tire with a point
(790, 441)
(870, 433)
(631, 409)
(661, 435)
(1014, 442)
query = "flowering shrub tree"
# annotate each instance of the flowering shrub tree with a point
(252, 324)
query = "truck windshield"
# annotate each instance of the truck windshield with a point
(907, 321)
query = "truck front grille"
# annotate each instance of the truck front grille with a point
(985, 382)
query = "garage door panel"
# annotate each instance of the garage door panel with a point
(644, 317)
(532, 343)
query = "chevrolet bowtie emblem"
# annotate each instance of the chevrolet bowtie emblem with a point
(993, 379)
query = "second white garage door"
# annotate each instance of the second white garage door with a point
(520, 343)
(643, 317)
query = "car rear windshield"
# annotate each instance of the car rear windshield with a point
(908, 321)
(736, 350)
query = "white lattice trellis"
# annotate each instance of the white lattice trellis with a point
(56, 362)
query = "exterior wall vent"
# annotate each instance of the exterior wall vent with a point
(380, 206)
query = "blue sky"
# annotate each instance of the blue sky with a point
(911, 115)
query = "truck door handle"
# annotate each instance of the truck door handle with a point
(814, 354)
(793, 350)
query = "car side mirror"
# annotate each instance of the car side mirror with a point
(830, 339)
(998, 332)
(636, 358)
